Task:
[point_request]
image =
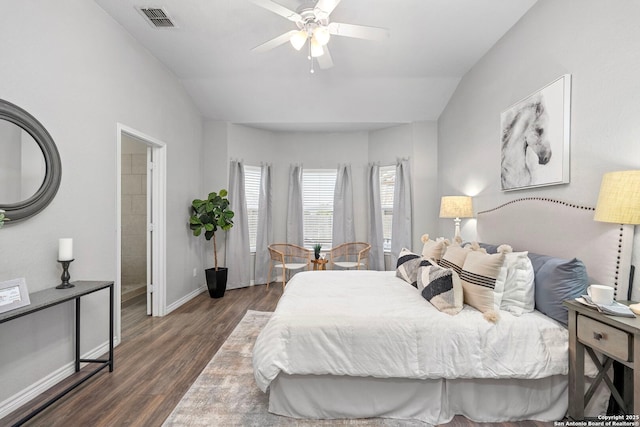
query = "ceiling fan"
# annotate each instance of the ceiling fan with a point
(312, 20)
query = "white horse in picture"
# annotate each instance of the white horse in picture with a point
(524, 142)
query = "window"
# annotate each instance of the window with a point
(387, 185)
(252, 194)
(318, 186)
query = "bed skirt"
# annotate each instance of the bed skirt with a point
(434, 401)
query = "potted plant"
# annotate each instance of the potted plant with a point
(316, 250)
(209, 215)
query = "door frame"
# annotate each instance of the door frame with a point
(159, 207)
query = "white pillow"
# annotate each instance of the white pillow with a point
(518, 295)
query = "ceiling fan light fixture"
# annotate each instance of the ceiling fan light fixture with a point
(322, 35)
(316, 48)
(298, 39)
(313, 22)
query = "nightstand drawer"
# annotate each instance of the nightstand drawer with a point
(604, 337)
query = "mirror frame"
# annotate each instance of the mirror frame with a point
(53, 174)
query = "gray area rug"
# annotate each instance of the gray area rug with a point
(225, 393)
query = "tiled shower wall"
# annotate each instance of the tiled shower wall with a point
(134, 213)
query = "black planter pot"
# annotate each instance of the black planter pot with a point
(216, 281)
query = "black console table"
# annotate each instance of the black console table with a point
(50, 297)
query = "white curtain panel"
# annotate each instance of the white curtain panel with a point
(295, 231)
(264, 235)
(238, 251)
(343, 228)
(376, 238)
(401, 223)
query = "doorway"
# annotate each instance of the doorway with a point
(141, 207)
(135, 200)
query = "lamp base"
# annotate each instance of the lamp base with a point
(457, 238)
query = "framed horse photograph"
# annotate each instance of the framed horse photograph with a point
(536, 138)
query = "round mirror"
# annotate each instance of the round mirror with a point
(22, 166)
(30, 168)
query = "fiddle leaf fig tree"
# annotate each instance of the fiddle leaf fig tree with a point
(210, 215)
(3, 218)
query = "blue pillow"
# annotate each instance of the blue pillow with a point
(558, 280)
(491, 249)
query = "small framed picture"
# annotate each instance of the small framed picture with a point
(13, 294)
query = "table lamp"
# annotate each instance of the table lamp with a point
(619, 198)
(456, 207)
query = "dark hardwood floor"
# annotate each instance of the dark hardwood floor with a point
(156, 362)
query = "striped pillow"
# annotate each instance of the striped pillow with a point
(483, 276)
(407, 266)
(454, 257)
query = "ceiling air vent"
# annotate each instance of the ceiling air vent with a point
(157, 17)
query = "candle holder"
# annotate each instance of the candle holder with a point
(65, 275)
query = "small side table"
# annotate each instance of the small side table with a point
(50, 297)
(319, 264)
(618, 338)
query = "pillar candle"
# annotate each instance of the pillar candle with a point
(65, 249)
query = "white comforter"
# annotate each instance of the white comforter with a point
(370, 323)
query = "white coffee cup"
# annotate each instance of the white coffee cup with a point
(601, 294)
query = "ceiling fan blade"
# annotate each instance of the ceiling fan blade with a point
(358, 31)
(279, 9)
(324, 60)
(281, 39)
(324, 8)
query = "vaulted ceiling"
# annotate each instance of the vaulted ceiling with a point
(408, 77)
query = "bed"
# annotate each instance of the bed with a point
(361, 344)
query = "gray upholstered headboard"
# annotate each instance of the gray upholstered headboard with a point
(564, 230)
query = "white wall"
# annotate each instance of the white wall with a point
(419, 142)
(214, 165)
(596, 42)
(79, 73)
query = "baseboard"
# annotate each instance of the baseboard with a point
(23, 397)
(185, 299)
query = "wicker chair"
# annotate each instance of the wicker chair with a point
(350, 255)
(288, 257)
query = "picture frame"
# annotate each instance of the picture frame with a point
(13, 294)
(535, 135)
